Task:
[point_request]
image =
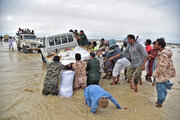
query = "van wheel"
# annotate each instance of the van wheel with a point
(24, 50)
(43, 58)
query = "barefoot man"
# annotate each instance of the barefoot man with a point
(164, 71)
(138, 58)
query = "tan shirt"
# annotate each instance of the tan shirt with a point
(80, 68)
(164, 66)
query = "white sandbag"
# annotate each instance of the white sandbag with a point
(66, 86)
(69, 56)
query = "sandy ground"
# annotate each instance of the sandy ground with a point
(21, 82)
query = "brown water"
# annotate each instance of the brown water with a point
(21, 82)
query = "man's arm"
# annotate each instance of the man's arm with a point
(93, 107)
(152, 56)
(87, 97)
(124, 52)
(145, 55)
(114, 101)
(88, 102)
(143, 65)
(77, 37)
(142, 51)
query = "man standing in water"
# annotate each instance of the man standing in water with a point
(93, 70)
(82, 38)
(77, 34)
(164, 71)
(152, 54)
(79, 67)
(51, 80)
(138, 56)
(11, 40)
(137, 52)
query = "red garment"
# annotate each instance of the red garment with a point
(148, 48)
(154, 53)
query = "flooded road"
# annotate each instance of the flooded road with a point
(21, 82)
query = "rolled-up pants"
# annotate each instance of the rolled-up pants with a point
(161, 88)
(136, 71)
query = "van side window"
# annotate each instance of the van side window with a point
(70, 38)
(57, 40)
(64, 39)
(51, 41)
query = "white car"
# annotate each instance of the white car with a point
(28, 43)
(56, 43)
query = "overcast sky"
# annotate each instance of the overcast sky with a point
(98, 18)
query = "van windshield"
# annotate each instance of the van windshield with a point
(29, 37)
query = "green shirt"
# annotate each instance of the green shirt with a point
(84, 40)
(93, 67)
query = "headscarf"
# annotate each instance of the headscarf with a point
(112, 43)
(140, 41)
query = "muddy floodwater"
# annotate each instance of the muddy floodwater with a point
(21, 82)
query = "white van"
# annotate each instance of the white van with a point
(28, 43)
(55, 43)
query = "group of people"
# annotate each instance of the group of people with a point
(86, 73)
(133, 57)
(81, 37)
(25, 31)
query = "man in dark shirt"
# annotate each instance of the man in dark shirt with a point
(82, 38)
(93, 67)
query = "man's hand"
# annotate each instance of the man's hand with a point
(93, 111)
(149, 58)
(77, 37)
(99, 53)
(118, 106)
(111, 58)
